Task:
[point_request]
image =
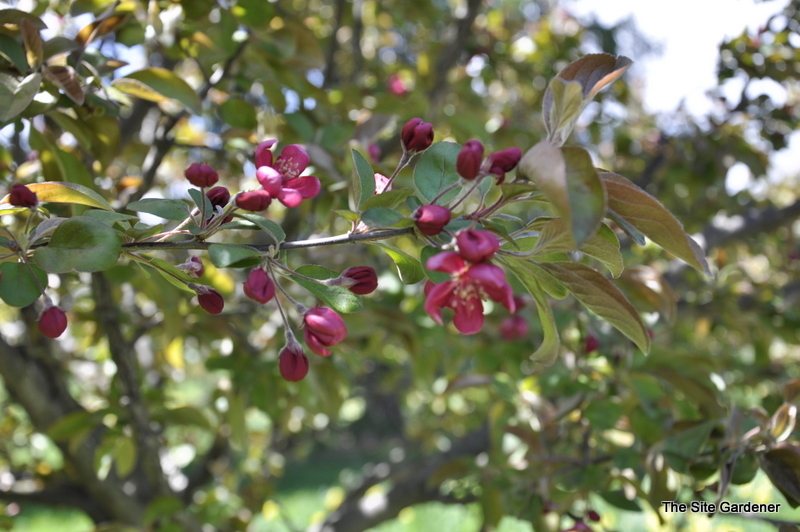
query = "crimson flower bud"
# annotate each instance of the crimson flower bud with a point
(22, 196)
(360, 280)
(468, 163)
(416, 135)
(259, 287)
(193, 266)
(431, 219)
(201, 175)
(53, 322)
(591, 344)
(476, 245)
(504, 161)
(209, 299)
(323, 328)
(593, 516)
(219, 197)
(293, 362)
(255, 200)
(514, 328)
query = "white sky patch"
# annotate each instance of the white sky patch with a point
(689, 33)
(739, 177)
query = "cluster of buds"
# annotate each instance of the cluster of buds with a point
(471, 165)
(322, 328)
(471, 278)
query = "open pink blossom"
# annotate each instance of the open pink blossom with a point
(282, 179)
(469, 284)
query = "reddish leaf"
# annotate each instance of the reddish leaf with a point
(66, 79)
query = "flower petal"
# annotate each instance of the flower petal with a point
(439, 295)
(313, 343)
(290, 197)
(492, 280)
(469, 315)
(293, 160)
(308, 186)
(270, 179)
(263, 155)
(447, 261)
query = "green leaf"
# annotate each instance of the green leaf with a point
(170, 209)
(364, 180)
(648, 215)
(408, 268)
(162, 508)
(687, 444)
(516, 190)
(239, 114)
(426, 253)
(18, 287)
(381, 217)
(77, 128)
(62, 192)
(81, 243)
(390, 199)
(551, 343)
(159, 85)
(436, 170)
(603, 414)
(338, 298)
(13, 52)
(554, 238)
(17, 95)
(562, 105)
(274, 230)
(172, 274)
(600, 296)
(183, 415)
(73, 424)
(546, 281)
(110, 218)
(619, 500)
(234, 256)
(348, 215)
(630, 230)
(199, 199)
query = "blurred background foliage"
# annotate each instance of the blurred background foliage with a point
(405, 412)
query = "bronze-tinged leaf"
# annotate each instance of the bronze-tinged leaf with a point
(600, 296)
(573, 87)
(595, 71)
(782, 466)
(14, 17)
(791, 391)
(649, 292)
(34, 48)
(544, 165)
(646, 214)
(782, 422)
(98, 28)
(66, 79)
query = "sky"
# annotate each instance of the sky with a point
(688, 33)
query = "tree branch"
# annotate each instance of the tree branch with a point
(740, 227)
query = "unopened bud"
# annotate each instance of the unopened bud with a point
(293, 362)
(504, 161)
(323, 328)
(53, 322)
(193, 266)
(201, 175)
(259, 287)
(591, 344)
(468, 163)
(208, 298)
(360, 280)
(22, 196)
(416, 136)
(476, 245)
(431, 219)
(255, 200)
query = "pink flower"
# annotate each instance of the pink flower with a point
(416, 136)
(476, 245)
(514, 328)
(259, 287)
(22, 196)
(293, 362)
(282, 180)
(201, 175)
(431, 219)
(53, 322)
(323, 328)
(591, 344)
(381, 184)
(468, 163)
(469, 284)
(374, 152)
